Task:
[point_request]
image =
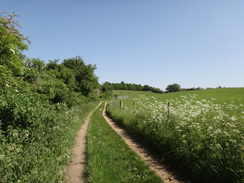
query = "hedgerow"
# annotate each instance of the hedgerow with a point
(41, 108)
(35, 137)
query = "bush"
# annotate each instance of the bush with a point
(24, 111)
(35, 138)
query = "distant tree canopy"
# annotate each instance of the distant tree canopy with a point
(60, 83)
(85, 79)
(134, 87)
(173, 88)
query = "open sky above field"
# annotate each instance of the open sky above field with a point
(161, 42)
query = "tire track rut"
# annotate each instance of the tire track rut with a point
(146, 156)
(76, 169)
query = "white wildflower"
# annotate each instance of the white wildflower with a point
(218, 131)
(2, 156)
(236, 131)
(210, 128)
(15, 134)
(233, 118)
(26, 133)
(218, 146)
(12, 50)
(232, 140)
(226, 133)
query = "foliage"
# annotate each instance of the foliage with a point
(41, 108)
(12, 43)
(197, 134)
(35, 63)
(36, 145)
(110, 159)
(134, 87)
(106, 90)
(71, 82)
(85, 80)
(173, 88)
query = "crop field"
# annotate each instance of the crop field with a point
(199, 131)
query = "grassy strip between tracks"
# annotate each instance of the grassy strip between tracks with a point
(110, 159)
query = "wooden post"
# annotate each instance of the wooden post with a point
(168, 109)
(121, 104)
(134, 106)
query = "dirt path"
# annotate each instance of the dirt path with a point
(153, 163)
(75, 170)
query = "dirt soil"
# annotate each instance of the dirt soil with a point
(76, 170)
(154, 164)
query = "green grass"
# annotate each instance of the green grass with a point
(222, 96)
(202, 135)
(41, 157)
(110, 159)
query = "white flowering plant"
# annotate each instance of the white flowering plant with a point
(199, 134)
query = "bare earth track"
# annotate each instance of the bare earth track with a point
(75, 170)
(152, 162)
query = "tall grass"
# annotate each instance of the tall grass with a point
(39, 152)
(110, 159)
(197, 134)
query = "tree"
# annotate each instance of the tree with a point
(12, 43)
(63, 73)
(106, 89)
(173, 88)
(85, 79)
(36, 63)
(146, 88)
(53, 64)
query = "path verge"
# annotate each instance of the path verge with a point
(152, 162)
(75, 170)
(109, 159)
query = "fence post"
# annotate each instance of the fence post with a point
(168, 109)
(134, 106)
(121, 104)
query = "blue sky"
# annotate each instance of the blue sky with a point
(190, 42)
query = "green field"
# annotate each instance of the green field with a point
(221, 95)
(201, 131)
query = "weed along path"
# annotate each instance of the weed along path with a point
(152, 162)
(75, 170)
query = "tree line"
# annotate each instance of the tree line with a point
(56, 84)
(130, 86)
(40, 107)
(66, 82)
